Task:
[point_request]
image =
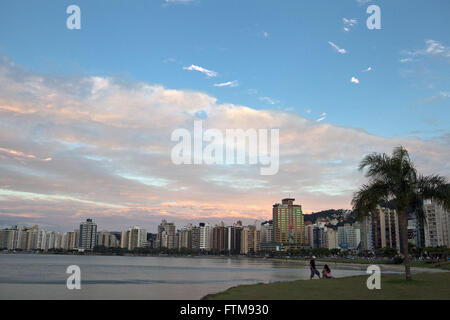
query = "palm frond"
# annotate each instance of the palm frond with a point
(378, 165)
(435, 188)
(368, 197)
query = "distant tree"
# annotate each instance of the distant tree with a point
(395, 178)
(335, 251)
(387, 252)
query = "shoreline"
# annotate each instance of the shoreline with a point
(384, 264)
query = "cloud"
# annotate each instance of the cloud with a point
(269, 100)
(169, 60)
(178, 1)
(349, 23)
(354, 80)
(436, 98)
(109, 144)
(208, 73)
(322, 117)
(432, 48)
(368, 69)
(405, 60)
(232, 84)
(19, 155)
(341, 51)
(265, 34)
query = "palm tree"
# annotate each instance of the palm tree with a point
(395, 178)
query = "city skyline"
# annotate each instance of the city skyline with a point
(336, 230)
(86, 115)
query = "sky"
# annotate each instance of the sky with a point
(86, 116)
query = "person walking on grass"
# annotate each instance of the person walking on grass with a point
(312, 267)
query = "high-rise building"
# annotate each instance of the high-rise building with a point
(385, 228)
(220, 238)
(319, 236)
(349, 236)
(166, 235)
(205, 236)
(88, 235)
(33, 235)
(137, 238)
(250, 239)
(366, 232)
(8, 238)
(68, 240)
(416, 232)
(267, 232)
(234, 238)
(288, 223)
(331, 239)
(185, 237)
(309, 236)
(27, 237)
(437, 226)
(75, 239)
(49, 240)
(107, 239)
(124, 235)
(195, 238)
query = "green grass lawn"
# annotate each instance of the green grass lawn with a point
(420, 264)
(424, 286)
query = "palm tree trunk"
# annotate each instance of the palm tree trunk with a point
(404, 239)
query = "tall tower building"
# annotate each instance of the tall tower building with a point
(234, 238)
(385, 228)
(437, 225)
(220, 237)
(288, 223)
(205, 237)
(195, 238)
(166, 235)
(185, 240)
(137, 238)
(87, 235)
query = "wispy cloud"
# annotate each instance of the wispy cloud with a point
(19, 155)
(349, 23)
(208, 73)
(405, 60)
(322, 117)
(178, 1)
(341, 51)
(368, 69)
(169, 60)
(269, 100)
(354, 80)
(232, 84)
(436, 98)
(432, 48)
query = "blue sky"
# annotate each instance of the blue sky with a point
(86, 116)
(273, 49)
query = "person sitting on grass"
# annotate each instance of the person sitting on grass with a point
(326, 272)
(312, 267)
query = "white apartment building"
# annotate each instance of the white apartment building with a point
(437, 226)
(88, 235)
(331, 237)
(205, 237)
